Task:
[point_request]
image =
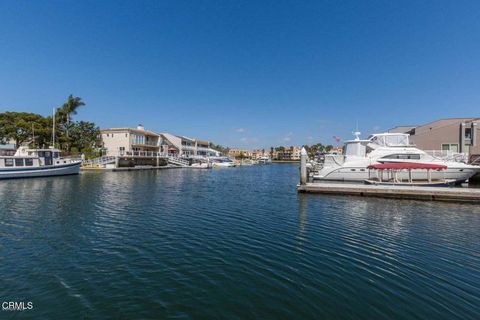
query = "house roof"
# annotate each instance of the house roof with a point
(146, 132)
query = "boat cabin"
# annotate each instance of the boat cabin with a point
(25, 157)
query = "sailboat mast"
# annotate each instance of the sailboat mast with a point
(53, 131)
(33, 134)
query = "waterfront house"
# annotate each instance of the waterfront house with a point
(239, 153)
(186, 147)
(291, 153)
(260, 153)
(125, 141)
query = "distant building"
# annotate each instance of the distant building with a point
(7, 149)
(239, 153)
(121, 141)
(259, 153)
(288, 153)
(186, 147)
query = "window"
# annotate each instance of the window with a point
(396, 140)
(403, 156)
(55, 154)
(9, 162)
(450, 147)
(48, 154)
(41, 154)
(18, 162)
(29, 162)
(468, 133)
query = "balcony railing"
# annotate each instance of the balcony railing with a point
(145, 143)
(138, 154)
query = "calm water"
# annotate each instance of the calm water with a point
(231, 244)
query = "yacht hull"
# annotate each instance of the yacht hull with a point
(44, 171)
(355, 174)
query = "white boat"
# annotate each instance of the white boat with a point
(222, 162)
(201, 165)
(29, 163)
(264, 160)
(387, 148)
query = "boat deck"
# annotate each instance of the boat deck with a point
(452, 194)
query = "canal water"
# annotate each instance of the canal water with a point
(235, 243)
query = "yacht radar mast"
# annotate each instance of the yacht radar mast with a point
(357, 135)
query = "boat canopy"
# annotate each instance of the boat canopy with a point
(406, 165)
(390, 139)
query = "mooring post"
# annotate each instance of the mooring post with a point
(303, 167)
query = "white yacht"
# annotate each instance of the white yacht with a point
(222, 162)
(28, 163)
(358, 154)
(264, 160)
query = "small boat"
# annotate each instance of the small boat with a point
(264, 160)
(400, 174)
(201, 165)
(29, 163)
(223, 163)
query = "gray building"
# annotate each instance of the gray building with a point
(453, 134)
(457, 135)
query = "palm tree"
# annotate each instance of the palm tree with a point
(65, 112)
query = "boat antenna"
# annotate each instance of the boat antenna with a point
(357, 133)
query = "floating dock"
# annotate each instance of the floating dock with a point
(452, 194)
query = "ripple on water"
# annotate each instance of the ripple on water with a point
(235, 244)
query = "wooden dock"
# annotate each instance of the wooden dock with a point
(452, 194)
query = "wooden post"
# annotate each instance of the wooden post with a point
(303, 166)
(117, 161)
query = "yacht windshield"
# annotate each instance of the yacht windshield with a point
(391, 140)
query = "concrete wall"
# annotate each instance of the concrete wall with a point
(115, 140)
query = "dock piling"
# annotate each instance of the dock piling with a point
(303, 166)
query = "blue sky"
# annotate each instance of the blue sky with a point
(244, 73)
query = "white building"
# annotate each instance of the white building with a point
(186, 147)
(127, 141)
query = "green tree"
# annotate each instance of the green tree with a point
(84, 135)
(63, 117)
(20, 127)
(220, 148)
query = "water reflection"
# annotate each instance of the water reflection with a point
(174, 243)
